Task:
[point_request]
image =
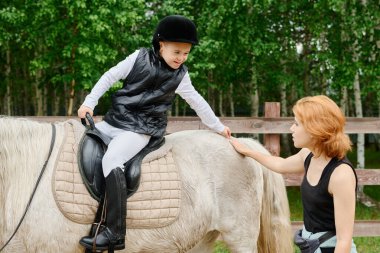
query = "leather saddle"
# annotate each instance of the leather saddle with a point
(92, 148)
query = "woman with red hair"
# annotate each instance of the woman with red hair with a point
(328, 188)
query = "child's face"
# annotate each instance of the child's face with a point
(174, 53)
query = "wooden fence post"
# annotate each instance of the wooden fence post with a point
(272, 141)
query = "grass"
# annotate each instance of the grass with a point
(363, 244)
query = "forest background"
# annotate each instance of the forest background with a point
(250, 52)
(52, 52)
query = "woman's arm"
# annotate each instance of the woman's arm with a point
(342, 187)
(292, 164)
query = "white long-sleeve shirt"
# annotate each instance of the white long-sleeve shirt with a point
(185, 89)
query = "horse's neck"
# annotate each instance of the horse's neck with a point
(23, 155)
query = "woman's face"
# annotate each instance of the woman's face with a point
(174, 53)
(301, 138)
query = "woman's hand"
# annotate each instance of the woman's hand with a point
(83, 110)
(239, 147)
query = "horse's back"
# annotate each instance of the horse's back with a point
(221, 192)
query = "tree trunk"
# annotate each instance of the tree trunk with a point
(73, 82)
(8, 82)
(360, 141)
(39, 94)
(210, 91)
(307, 64)
(176, 106)
(254, 94)
(254, 98)
(378, 135)
(284, 113)
(184, 109)
(254, 103)
(56, 103)
(344, 101)
(231, 99)
(359, 114)
(46, 100)
(220, 104)
(26, 91)
(71, 98)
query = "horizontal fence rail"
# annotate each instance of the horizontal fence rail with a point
(248, 125)
(271, 126)
(365, 177)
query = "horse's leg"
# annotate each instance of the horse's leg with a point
(240, 220)
(206, 245)
(244, 236)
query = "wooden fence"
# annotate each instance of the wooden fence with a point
(272, 125)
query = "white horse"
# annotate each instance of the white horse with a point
(224, 196)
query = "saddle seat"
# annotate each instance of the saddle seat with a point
(92, 148)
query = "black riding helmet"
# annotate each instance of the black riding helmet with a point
(175, 28)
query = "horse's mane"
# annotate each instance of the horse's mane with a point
(29, 135)
(20, 138)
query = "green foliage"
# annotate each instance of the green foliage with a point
(220, 247)
(245, 44)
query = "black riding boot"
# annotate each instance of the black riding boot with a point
(111, 237)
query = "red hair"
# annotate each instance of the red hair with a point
(325, 122)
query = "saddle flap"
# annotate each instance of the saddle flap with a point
(91, 151)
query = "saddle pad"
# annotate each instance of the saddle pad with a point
(155, 204)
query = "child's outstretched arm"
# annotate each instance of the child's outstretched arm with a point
(187, 91)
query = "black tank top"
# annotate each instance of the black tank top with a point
(318, 204)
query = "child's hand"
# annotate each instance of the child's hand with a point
(83, 110)
(239, 147)
(226, 132)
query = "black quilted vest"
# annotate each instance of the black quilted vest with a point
(148, 92)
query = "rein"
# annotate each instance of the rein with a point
(35, 187)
